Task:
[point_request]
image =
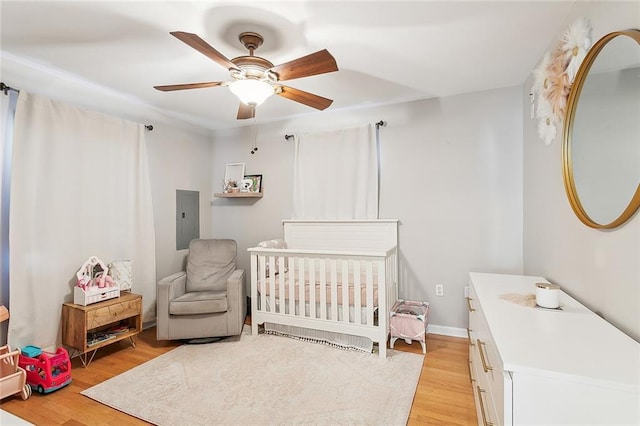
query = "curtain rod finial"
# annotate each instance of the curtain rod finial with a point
(4, 88)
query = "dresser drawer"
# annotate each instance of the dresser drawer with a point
(115, 312)
(495, 377)
(493, 386)
(484, 398)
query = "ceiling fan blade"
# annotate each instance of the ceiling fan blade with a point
(314, 101)
(316, 63)
(203, 47)
(170, 87)
(246, 111)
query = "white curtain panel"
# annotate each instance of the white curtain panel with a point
(80, 188)
(336, 175)
(7, 114)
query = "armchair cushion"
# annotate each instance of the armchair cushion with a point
(199, 302)
(209, 264)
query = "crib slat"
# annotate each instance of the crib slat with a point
(395, 274)
(301, 284)
(383, 296)
(263, 281)
(312, 288)
(345, 289)
(323, 288)
(292, 285)
(370, 291)
(357, 296)
(272, 284)
(334, 290)
(391, 287)
(281, 289)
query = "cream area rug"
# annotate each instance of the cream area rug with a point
(266, 380)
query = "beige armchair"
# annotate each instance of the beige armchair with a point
(208, 299)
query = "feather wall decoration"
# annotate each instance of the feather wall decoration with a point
(547, 121)
(554, 75)
(540, 74)
(558, 85)
(575, 44)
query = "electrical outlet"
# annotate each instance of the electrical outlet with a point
(439, 290)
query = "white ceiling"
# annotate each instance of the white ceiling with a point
(387, 51)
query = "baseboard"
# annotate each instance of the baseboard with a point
(447, 331)
(431, 328)
(149, 324)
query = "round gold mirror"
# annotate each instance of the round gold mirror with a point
(601, 144)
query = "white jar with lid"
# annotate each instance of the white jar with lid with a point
(548, 295)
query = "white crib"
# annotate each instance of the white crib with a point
(334, 276)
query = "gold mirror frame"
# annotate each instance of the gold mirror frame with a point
(567, 168)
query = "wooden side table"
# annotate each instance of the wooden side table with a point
(114, 319)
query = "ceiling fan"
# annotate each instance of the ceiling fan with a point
(255, 78)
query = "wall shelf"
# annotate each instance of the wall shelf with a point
(238, 194)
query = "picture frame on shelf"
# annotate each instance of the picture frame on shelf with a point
(256, 187)
(233, 175)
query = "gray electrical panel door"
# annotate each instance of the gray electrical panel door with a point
(187, 217)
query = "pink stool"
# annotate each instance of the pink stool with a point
(408, 320)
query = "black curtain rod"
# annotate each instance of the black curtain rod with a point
(4, 88)
(379, 124)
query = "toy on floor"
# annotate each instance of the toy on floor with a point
(46, 371)
(12, 376)
(409, 320)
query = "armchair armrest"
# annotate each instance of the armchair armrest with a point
(175, 285)
(237, 276)
(168, 289)
(237, 301)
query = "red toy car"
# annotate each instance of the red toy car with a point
(46, 371)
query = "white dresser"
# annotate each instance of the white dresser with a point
(535, 366)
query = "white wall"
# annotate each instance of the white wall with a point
(599, 268)
(451, 171)
(178, 159)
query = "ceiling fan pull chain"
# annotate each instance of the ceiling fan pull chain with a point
(254, 144)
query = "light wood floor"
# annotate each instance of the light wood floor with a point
(443, 395)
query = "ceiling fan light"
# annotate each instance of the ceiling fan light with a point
(251, 92)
